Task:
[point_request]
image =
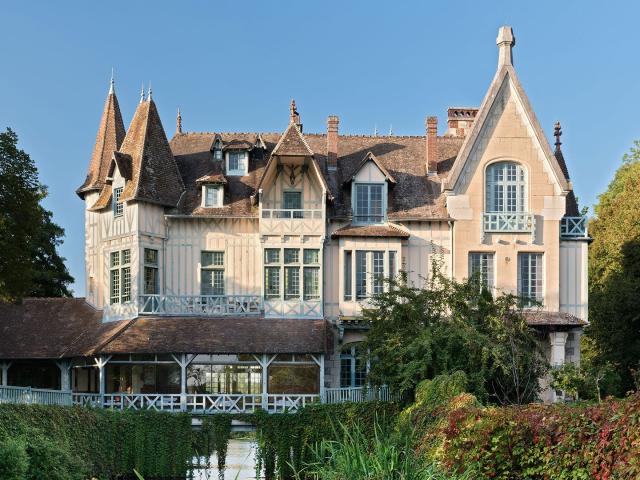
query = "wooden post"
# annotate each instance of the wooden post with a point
(322, 388)
(265, 377)
(183, 361)
(5, 373)
(65, 374)
(101, 362)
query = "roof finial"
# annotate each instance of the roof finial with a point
(375, 130)
(505, 41)
(179, 122)
(557, 132)
(294, 117)
(149, 96)
(112, 83)
(391, 130)
(142, 93)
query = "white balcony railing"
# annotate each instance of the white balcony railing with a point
(205, 305)
(357, 394)
(515, 222)
(295, 214)
(573, 227)
(34, 395)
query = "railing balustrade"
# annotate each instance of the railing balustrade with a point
(573, 227)
(284, 213)
(357, 394)
(205, 305)
(517, 222)
(30, 395)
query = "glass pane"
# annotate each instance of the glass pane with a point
(362, 202)
(126, 284)
(311, 256)
(300, 379)
(272, 282)
(150, 256)
(361, 274)
(311, 283)
(115, 259)
(392, 264)
(292, 200)
(272, 255)
(378, 272)
(291, 255)
(211, 196)
(347, 275)
(150, 281)
(291, 283)
(126, 257)
(114, 290)
(212, 259)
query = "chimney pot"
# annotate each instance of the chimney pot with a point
(332, 142)
(431, 125)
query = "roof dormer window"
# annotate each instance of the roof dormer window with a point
(212, 196)
(217, 150)
(237, 162)
(369, 202)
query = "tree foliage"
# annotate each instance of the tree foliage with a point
(446, 326)
(29, 261)
(614, 271)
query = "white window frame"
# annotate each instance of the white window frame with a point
(149, 266)
(366, 219)
(293, 267)
(350, 354)
(237, 172)
(486, 263)
(120, 276)
(117, 207)
(534, 294)
(374, 282)
(497, 191)
(218, 195)
(214, 268)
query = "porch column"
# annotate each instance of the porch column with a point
(101, 362)
(65, 374)
(264, 363)
(558, 341)
(322, 387)
(183, 361)
(5, 373)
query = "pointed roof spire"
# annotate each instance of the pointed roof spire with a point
(149, 94)
(557, 132)
(391, 130)
(110, 136)
(505, 41)
(142, 93)
(179, 122)
(375, 130)
(112, 84)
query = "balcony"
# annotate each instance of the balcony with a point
(292, 221)
(573, 227)
(200, 305)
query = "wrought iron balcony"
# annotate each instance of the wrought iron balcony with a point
(573, 227)
(514, 222)
(203, 305)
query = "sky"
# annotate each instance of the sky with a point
(235, 65)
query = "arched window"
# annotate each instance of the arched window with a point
(353, 369)
(506, 188)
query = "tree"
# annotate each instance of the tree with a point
(29, 261)
(447, 326)
(614, 272)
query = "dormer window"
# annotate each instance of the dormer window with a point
(217, 151)
(212, 196)
(117, 207)
(369, 202)
(237, 163)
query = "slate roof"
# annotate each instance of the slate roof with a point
(52, 328)
(388, 231)
(110, 135)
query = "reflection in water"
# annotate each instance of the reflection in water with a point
(241, 460)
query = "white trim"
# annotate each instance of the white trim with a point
(219, 195)
(237, 173)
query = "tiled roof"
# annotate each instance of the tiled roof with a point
(292, 143)
(370, 157)
(212, 178)
(544, 318)
(110, 135)
(69, 327)
(371, 231)
(155, 177)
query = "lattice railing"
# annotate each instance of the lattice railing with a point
(206, 305)
(517, 222)
(573, 227)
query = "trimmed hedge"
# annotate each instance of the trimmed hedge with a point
(64, 441)
(562, 441)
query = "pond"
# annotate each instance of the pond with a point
(241, 457)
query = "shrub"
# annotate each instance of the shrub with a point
(49, 460)
(14, 461)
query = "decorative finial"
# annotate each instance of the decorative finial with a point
(142, 93)
(112, 83)
(149, 95)
(505, 41)
(557, 132)
(294, 117)
(391, 130)
(179, 122)
(375, 130)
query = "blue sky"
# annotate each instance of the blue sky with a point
(234, 66)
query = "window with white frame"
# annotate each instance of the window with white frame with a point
(151, 277)
(120, 276)
(348, 274)
(292, 200)
(292, 273)
(370, 272)
(212, 273)
(481, 267)
(353, 369)
(217, 150)
(212, 196)
(116, 205)
(530, 279)
(506, 188)
(237, 162)
(369, 203)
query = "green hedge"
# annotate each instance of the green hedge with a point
(73, 442)
(562, 441)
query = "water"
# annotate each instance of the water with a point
(241, 461)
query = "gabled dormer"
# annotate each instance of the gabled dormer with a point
(212, 190)
(369, 184)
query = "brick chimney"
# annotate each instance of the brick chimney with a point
(332, 142)
(460, 120)
(431, 125)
